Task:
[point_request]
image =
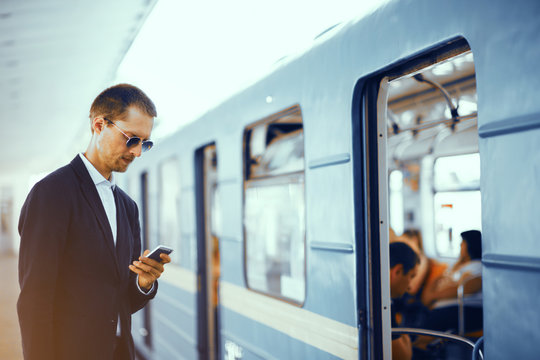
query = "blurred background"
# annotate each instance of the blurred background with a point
(56, 56)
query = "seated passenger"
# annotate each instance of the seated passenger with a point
(403, 268)
(428, 269)
(441, 295)
(413, 310)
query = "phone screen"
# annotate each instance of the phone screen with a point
(161, 249)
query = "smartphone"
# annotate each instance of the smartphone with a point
(160, 249)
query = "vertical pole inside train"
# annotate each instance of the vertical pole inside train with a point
(207, 253)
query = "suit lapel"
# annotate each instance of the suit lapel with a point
(122, 237)
(89, 191)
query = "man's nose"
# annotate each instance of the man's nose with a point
(136, 150)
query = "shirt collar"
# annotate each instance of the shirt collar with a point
(96, 176)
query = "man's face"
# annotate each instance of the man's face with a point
(399, 282)
(113, 152)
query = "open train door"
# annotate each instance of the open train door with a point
(416, 122)
(207, 253)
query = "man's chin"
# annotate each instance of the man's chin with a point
(121, 168)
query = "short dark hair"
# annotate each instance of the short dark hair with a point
(473, 238)
(401, 253)
(114, 102)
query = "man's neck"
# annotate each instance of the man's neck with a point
(93, 157)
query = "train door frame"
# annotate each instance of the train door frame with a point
(147, 310)
(207, 325)
(371, 195)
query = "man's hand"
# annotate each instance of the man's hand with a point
(149, 270)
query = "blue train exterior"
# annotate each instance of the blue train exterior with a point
(341, 311)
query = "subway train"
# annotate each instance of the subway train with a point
(280, 203)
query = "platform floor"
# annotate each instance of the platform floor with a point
(10, 337)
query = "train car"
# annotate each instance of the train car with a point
(282, 201)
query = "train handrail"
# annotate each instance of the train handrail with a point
(439, 334)
(461, 310)
(478, 351)
(461, 304)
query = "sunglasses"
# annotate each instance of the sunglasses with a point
(134, 140)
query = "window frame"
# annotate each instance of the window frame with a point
(279, 179)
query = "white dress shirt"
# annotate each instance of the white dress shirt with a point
(105, 190)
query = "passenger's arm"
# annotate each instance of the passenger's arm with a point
(402, 348)
(421, 274)
(450, 289)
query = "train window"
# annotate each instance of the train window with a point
(396, 201)
(169, 205)
(274, 206)
(457, 205)
(461, 172)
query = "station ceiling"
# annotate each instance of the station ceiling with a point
(55, 57)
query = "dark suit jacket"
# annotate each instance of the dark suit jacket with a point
(74, 282)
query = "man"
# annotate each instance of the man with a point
(80, 272)
(403, 267)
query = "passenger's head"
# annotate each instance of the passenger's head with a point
(403, 266)
(415, 237)
(473, 242)
(114, 102)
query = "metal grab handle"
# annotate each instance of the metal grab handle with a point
(451, 337)
(459, 339)
(478, 351)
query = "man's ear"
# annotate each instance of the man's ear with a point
(98, 124)
(396, 271)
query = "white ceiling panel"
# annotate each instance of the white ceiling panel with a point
(55, 57)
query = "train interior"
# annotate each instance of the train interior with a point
(433, 185)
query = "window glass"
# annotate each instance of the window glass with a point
(169, 205)
(276, 146)
(457, 172)
(455, 212)
(284, 154)
(275, 231)
(396, 210)
(456, 202)
(274, 206)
